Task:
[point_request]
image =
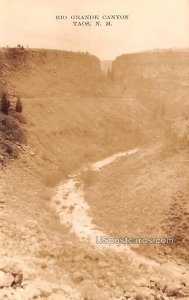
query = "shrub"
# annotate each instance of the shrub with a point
(5, 103)
(11, 128)
(18, 105)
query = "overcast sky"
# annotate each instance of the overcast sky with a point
(152, 24)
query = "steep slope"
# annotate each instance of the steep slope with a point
(70, 103)
(164, 71)
(52, 72)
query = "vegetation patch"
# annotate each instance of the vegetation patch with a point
(12, 135)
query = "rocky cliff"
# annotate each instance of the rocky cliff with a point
(52, 72)
(158, 79)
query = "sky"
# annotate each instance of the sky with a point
(152, 24)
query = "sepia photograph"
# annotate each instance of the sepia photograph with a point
(94, 149)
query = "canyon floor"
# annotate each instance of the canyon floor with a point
(44, 259)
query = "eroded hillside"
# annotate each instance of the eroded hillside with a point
(69, 103)
(52, 72)
(158, 79)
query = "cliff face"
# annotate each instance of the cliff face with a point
(158, 79)
(52, 72)
(69, 103)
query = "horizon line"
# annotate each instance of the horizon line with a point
(101, 59)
